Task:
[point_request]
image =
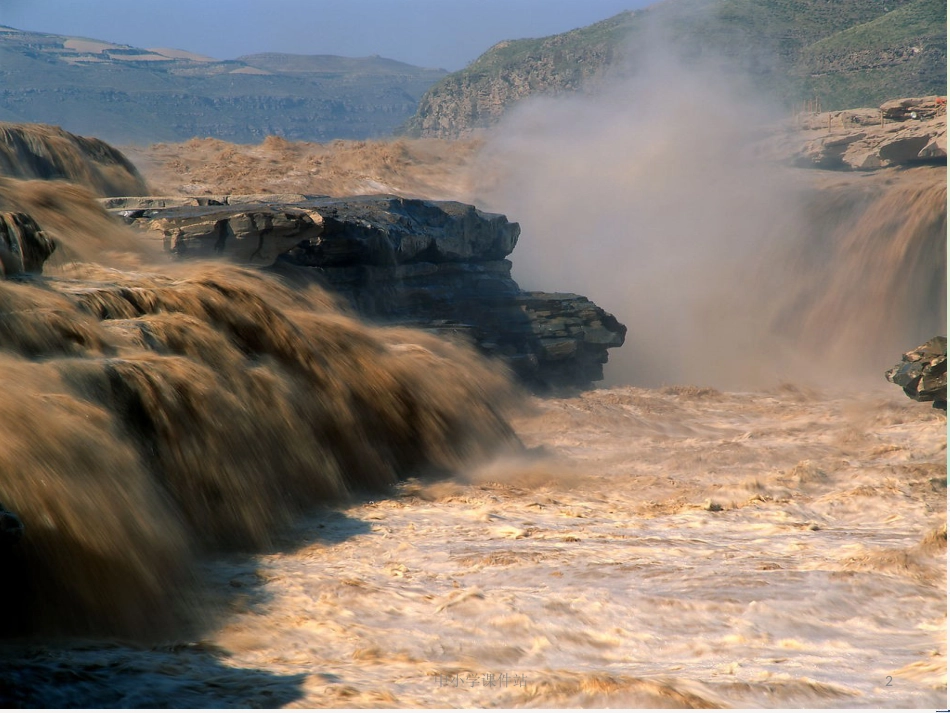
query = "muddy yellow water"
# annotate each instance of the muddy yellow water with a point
(661, 548)
(677, 547)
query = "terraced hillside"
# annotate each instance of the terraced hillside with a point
(844, 54)
(125, 94)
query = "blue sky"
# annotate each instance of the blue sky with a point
(429, 33)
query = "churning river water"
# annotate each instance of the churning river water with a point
(676, 547)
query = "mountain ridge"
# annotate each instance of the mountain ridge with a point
(125, 94)
(838, 55)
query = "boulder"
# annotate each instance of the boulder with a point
(24, 247)
(922, 373)
(914, 108)
(572, 337)
(936, 148)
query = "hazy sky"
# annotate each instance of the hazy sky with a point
(429, 33)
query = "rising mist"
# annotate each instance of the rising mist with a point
(655, 197)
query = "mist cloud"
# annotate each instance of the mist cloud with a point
(652, 196)
(648, 198)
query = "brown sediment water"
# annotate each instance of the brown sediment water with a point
(728, 268)
(677, 547)
(869, 274)
(48, 153)
(82, 229)
(183, 443)
(435, 168)
(151, 418)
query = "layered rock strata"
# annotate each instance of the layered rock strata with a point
(243, 233)
(438, 265)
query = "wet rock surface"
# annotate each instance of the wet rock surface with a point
(922, 373)
(435, 265)
(24, 247)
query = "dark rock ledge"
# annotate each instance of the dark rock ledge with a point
(436, 265)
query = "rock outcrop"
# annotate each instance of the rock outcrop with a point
(437, 265)
(244, 233)
(476, 98)
(24, 247)
(922, 373)
(902, 132)
(48, 153)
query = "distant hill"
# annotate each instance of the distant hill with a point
(845, 54)
(125, 94)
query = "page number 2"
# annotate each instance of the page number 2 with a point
(890, 680)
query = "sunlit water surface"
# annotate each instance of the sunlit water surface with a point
(678, 547)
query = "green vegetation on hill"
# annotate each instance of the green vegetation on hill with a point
(480, 93)
(854, 53)
(125, 94)
(604, 36)
(903, 52)
(803, 20)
